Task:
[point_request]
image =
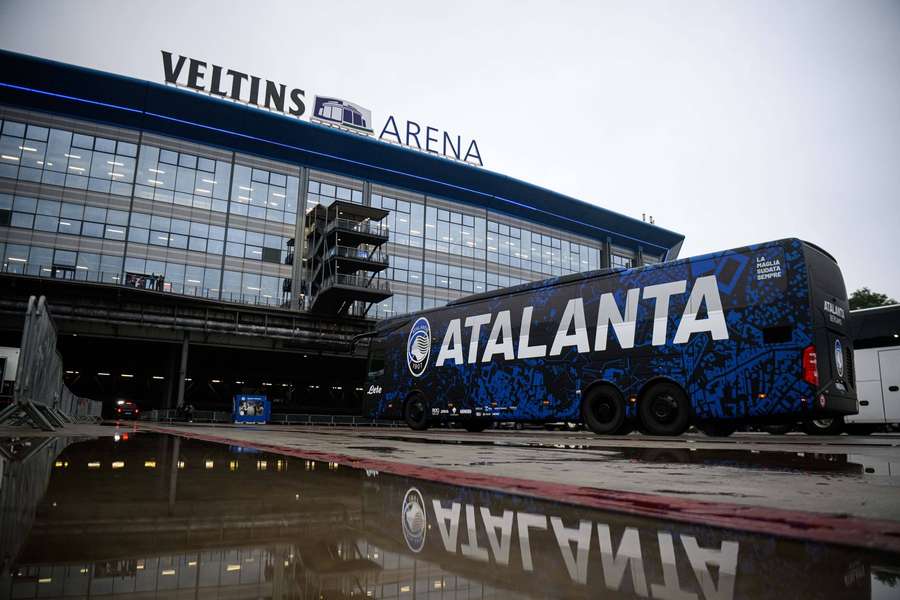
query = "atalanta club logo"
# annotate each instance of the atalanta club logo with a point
(839, 357)
(413, 520)
(418, 347)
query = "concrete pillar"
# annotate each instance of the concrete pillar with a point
(606, 254)
(182, 371)
(172, 377)
(298, 285)
(367, 193)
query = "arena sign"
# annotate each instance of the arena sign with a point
(215, 80)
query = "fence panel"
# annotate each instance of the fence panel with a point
(40, 397)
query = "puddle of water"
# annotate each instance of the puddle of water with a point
(764, 460)
(157, 515)
(378, 449)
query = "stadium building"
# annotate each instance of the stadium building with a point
(113, 188)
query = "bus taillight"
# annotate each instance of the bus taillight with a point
(810, 366)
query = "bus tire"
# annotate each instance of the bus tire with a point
(717, 429)
(603, 409)
(475, 426)
(779, 429)
(829, 426)
(664, 409)
(415, 412)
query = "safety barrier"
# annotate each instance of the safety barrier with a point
(209, 416)
(40, 398)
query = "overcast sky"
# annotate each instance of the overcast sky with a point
(730, 122)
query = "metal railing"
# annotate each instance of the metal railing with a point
(219, 416)
(366, 227)
(142, 282)
(376, 256)
(361, 281)
(40, 398)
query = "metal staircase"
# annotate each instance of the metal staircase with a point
(345, 256)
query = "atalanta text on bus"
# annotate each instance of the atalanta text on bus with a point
(572, 331)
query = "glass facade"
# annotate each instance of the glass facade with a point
(89, 202)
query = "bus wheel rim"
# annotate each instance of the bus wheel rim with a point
(823, 423)
(605, 410)
(416, 410)
(664, 408)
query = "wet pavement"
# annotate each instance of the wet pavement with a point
(856, 476)
(765, 460)
(150, 515)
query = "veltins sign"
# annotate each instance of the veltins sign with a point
(249, 89)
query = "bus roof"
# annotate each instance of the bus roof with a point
(876, 323)
(820, 249)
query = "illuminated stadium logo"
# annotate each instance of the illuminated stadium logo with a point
(413, 520)
(418, 347)
(334, 111)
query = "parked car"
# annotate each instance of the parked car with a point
(126, 409)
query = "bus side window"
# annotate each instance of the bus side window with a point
(376, 359)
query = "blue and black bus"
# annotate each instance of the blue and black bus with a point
(751, 335)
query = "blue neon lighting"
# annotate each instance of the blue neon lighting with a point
(325, 155)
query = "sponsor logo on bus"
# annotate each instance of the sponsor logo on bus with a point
(418, 347)
(572, 331)
(413, 520)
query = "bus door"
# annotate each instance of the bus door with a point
(889, 361)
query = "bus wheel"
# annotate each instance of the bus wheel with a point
(832, 426)
(415, 412)
(475, 426)
(717, 429)
(603, 409)
(664, 409)
(780, 429)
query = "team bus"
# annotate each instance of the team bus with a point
(754, 334)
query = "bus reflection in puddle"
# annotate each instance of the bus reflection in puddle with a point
(178, 517)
